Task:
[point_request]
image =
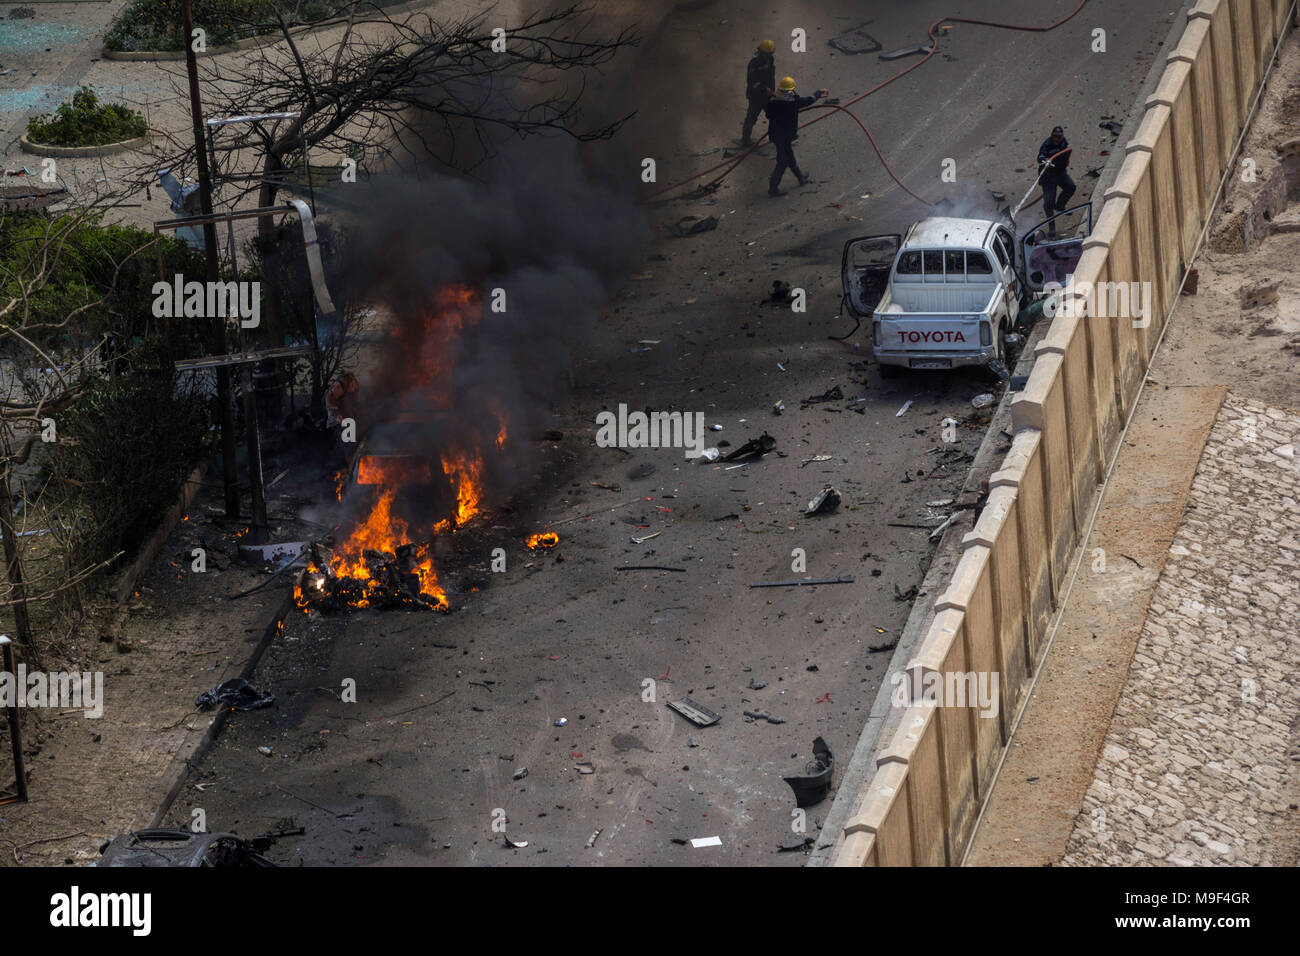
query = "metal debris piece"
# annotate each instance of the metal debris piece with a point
(778, 408)
(561, 721)
(824, 503)
(944, 527)
(584, 768)
(519, 774)
(752, 716)
(700, 716)
(513, 844)
(646, 537)
(752, 448)
(907, 51)
(807, 461)
(698, 842)
(812, 788)
(804, 583)
(832, 394)
(591, 840)
(983, 400)
(854, 41)
(906, 406)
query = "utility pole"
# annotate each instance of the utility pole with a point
(217, 336)
(15, 725)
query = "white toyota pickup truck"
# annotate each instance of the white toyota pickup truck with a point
(950, 292)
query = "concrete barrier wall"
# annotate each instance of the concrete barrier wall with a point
(921, 806)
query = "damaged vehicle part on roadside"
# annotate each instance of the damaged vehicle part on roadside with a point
(700, 716)
(812, 787)
(752, 448)
(176, 847)
(237, 694)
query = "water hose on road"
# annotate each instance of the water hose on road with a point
(728, 165)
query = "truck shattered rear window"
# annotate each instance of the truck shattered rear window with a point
(909, 264)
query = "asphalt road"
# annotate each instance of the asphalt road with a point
(408, 774)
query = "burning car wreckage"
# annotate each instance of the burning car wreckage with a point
(419, 475)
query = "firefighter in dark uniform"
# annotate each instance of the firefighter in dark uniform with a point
(1054, 173)
(760, 82)
(783, 129)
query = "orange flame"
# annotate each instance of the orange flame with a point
(543, 539)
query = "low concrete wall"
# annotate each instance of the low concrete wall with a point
(921, 806)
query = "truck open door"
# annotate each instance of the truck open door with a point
(865, 269)
(1050, 251)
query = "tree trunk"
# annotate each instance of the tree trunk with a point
(14, 569)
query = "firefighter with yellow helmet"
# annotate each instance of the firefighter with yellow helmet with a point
(783, 129)
(760, 81)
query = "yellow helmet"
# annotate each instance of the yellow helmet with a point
(786, 85)
(767, 46)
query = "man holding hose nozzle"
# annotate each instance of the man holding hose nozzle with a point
(783, 129)
(1054, 175)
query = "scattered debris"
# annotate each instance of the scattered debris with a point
(881, 648)
(854, 41)
(778, 408)
(812, 788)
(561, 721)
(519, 774)
(780, 291)
(833, 394)
(646, 537)
(944, 527)
(906, 405)
(709, 454)
(983, 400)
(810, 582)
(584, 768)
(514, 844)
(237, 694)
(543, 539)
(752, 716)
(700, 716)
(698, 842)
(264, 751)
(907, 595)
(693, 226)
(591, 840)
(805, 844)
(808, 461)
(752, 448)
(756, 684)
(924, 48)
(824, 503)
(1111, 126)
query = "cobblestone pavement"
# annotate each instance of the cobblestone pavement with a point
(1196, 769)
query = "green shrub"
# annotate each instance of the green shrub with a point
(154, 25)
(137, 435)
(86, 122)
